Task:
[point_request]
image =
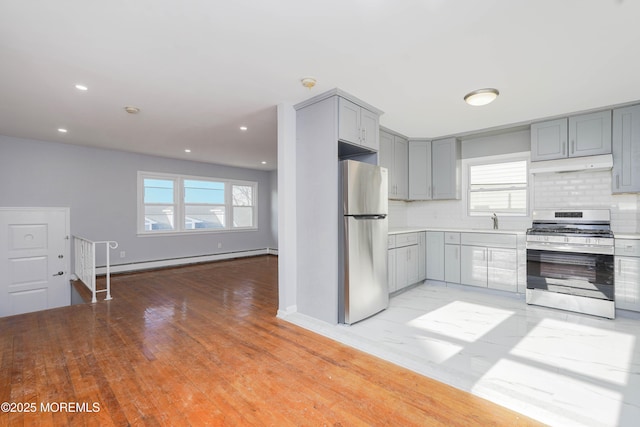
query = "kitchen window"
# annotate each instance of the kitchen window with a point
(498, 187)
(170, 203)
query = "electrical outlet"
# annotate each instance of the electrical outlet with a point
(219, 245)
(123, 254)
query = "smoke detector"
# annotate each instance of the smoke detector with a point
(131, 110)
(308, 82)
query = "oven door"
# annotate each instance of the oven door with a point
(581, 274)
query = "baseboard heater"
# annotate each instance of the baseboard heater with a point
(174, 262)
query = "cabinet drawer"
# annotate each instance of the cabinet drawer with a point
(392, 242)
(627, 247)
(406, 239)
(494, 240)
(451, 237)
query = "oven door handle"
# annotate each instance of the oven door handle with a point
(586, 249)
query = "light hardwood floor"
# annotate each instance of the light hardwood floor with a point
(200, 345)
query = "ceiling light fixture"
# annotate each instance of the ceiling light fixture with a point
(308, 82)
(243, 128)
(186, 150)
(62, 130)
(81, 87)
(131, 110)
(481, 97)
(263, 162)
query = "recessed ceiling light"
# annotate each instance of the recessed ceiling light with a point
(243, 128)
(62, 130)
(81, 87)
(263, 162)
(481, 97)
(186, 150)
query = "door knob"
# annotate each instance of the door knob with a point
(59, 273)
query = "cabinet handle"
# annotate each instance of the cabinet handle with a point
(457, 255)
(484, 254)
(430, 191)
(573, 146)
(490, 255)
(617, 180)
(364, 135)
(564, 148)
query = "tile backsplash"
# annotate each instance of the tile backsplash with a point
(580, 190)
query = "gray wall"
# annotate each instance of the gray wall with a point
(100, 187)
(274, 209)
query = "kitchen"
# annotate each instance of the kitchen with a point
(449, 330)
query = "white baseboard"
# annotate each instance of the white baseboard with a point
(287, 311)
(148, 265)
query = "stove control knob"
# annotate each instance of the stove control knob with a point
(587, 241)
(596, 241)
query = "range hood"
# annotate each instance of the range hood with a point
(573, 164)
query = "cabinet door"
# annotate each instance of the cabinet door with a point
(391, 270)
(627, 285)
(435, 255)
(412, 265)
(590, 134)
(549, 140)
(422, 256)
(445, 167)
(402, 273)
(626, 150)
(385, 159)
(502, 269)
(419, 170)
(401, 167)
(369, 128)
(452, 263)
(473, 266)
(348, 121)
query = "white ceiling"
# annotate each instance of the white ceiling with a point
(199, 69)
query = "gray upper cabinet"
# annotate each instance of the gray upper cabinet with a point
(590, 134)
(626, 150)
(357, 125)
(445, 168)
(577, 136)
(434, 169)
(549, 140)
(420, 185)
(394, 155)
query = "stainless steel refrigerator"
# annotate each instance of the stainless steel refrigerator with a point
(363, 285)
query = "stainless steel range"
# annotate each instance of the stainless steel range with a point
(570, 261)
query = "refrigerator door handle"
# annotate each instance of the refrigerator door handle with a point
(367, 217)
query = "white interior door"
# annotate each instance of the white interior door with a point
(34, 259)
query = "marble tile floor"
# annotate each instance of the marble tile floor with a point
(558, 367)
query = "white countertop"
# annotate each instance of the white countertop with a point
(400, 230)
(626, 236)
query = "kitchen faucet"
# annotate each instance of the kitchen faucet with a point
(494, 218)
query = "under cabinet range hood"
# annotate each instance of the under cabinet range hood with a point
(573, 164)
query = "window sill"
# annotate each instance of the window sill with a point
(194, 232)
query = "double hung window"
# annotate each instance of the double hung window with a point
(498, 188)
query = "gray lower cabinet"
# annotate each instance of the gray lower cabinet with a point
(422, 256)
(435, 255)
(627, 274)
(489, 260)
(452, 257)
(576, 136)
(473, 265)
(403, 261)
(626, 150)
(502, 269)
